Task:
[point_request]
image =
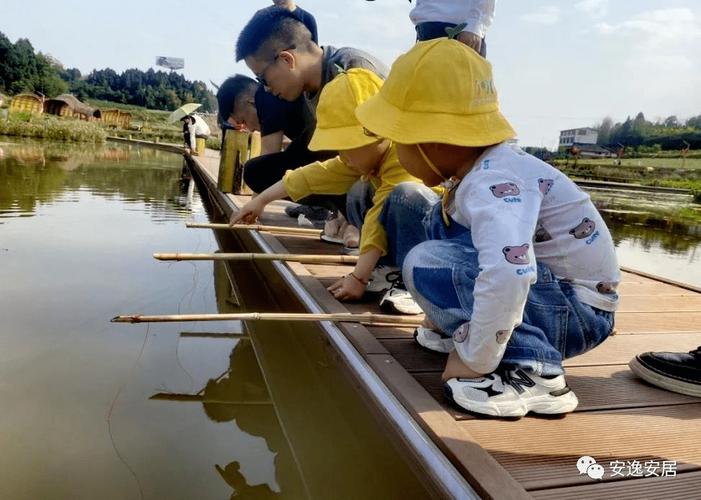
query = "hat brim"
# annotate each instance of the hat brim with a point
(340, 139)
(413, 127)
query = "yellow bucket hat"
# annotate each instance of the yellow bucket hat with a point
(337, 128)
(440, 91)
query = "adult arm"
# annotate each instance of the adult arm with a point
(271, 143)
(476, 14)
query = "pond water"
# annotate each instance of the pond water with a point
(658, 233)
(93, 409)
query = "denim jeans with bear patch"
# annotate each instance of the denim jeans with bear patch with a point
(439, 266)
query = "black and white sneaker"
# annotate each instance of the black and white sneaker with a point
(382, 278)
(512, 393)
(398, 300)
(314, 214)
(433, 340)
(675, 371)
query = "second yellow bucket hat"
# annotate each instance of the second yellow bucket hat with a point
(337, 128)
(440, 91)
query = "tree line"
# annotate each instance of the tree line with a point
(24, 70)
(666, 134)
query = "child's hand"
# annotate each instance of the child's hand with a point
(455, 368)
(249, 213)
(347, 288)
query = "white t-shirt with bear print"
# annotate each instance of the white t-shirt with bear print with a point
(520, 211)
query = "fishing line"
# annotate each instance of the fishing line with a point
(109, 414)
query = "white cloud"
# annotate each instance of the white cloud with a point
(548, 14)
(657, 29)
(594, 8)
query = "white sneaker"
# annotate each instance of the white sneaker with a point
(433, 341)
(382, 278)
(399, 301)
(512, 393)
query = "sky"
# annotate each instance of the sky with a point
(557, 64)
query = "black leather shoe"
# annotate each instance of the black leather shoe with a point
(675, 371)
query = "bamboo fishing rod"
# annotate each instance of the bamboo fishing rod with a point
(258, 227)
(288, 257)
(364, 318)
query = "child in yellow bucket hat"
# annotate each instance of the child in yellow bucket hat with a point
(370, 160)
(514, 268)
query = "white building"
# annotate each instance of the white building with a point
(569, 138)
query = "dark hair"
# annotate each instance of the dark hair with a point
(270, 31)
(230, 91)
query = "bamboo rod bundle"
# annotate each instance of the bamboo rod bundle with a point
(364, 318)
(258, 227)
(304, 259)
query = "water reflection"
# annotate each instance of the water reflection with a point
(34, 174)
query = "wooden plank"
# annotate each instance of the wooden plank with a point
(649, 303)
(658, 322)
(682, 487)
(480, 469)
(542, 453)
(617, 350)
(651, 288)
(392, 332)
(639, 273)
(597, 387)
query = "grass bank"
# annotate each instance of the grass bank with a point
(52, 128)
(666, 172)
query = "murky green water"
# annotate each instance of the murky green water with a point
(658, 233)
(93, 410)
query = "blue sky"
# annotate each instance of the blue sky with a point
(558, 64)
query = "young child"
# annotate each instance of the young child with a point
(515, 264)
(361, 157)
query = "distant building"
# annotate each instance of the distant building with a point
(578, 136)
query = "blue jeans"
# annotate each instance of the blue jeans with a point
(440, 266)
(358, 202)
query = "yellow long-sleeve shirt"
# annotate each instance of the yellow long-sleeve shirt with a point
(335, 177)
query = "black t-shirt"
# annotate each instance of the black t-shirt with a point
(276, 114)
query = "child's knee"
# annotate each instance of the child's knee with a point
(408, 192)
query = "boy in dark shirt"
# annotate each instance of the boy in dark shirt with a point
(242, 101)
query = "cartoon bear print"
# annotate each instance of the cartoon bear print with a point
(503, 336)
(545, 185)
(541, 234)
(606, 287)
(461, 333)
(517, 255)
(584, 229)
(505, 189)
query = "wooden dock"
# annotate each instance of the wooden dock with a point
(620, 419)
